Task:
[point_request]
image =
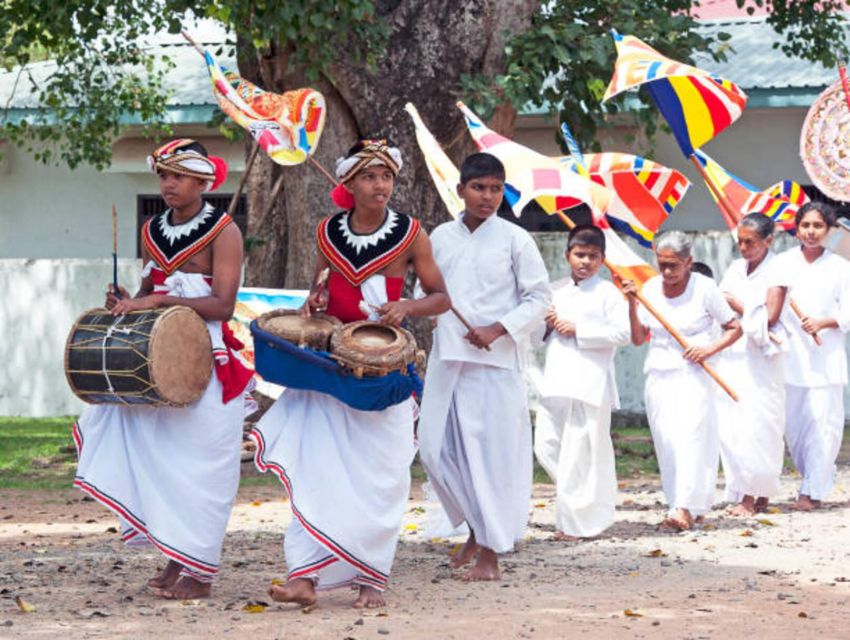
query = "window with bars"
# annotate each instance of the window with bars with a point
(150, 205)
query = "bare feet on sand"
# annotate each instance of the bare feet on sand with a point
(186, 589)
(370, 598)
(560, 536)
(300, 591)
(746, 507)
(466, 553)
(167, 577)
(681, 520)
(805, 503)
(486, 567)
(762, 504)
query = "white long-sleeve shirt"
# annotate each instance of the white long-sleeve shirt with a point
(822, 290)
(581, 367)
(494, 274)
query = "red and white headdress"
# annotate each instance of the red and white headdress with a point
(174, 156)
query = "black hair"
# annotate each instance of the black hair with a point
(702, 268)
(758, 222)
(826, 211)
(586, 235)
(197, 147)
(481, 165)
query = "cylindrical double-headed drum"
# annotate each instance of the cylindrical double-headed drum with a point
(160, 357)
(372, 349)
(313, 332)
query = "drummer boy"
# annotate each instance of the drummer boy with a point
(347, 472)
(171, 474)
(474, 431)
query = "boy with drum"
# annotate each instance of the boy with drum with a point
(474, 430)
(171, 474)
(347, 472)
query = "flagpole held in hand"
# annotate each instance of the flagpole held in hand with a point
(115, 253)
(678, 337)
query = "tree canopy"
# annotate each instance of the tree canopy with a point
(560, 59)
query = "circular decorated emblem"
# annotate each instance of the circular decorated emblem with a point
(825, 143)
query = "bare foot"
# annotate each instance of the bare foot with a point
(466, 553)
(167, 577)
(486, 567)
(300, 591)
(682, 520)
(762, 504)
(805, 503)
(560, 536)
(745, 508)
(186, 588)
(370, 598)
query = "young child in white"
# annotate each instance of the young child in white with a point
(587, 322)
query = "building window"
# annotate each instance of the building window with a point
(149, 205)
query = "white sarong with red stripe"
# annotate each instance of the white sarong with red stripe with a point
(170, 474)
(347, 473)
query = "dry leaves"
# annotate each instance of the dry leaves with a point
(655, 553)
(766, 522)
(746, 533)
(24, 606)
(255, 606)
(632, 614)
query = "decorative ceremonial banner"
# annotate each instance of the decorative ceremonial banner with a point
(531, 175)
(443, 172)
(696, 104)
(623, 262)
(737, 198)
(251, 303)
(575, 151)
(642, 192)
(287, 127)
(825, 141)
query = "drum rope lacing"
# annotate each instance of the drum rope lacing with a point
(113, 328)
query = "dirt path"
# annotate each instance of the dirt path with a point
(785, 577)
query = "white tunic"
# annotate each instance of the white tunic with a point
(680, 397)
(474, 429)
(170, 474)
(751, 430)
(572, 437)
(816, 375)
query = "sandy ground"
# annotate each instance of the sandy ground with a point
(786, 575)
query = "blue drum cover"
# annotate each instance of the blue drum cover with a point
(279, 361)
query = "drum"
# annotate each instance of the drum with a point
(313, 332)
(159, 357)
(372, 349)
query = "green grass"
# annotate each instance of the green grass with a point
(36, 453)
(633, 452)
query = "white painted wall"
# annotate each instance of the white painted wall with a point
(43, 298)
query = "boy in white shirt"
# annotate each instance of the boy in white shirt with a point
(587, 322)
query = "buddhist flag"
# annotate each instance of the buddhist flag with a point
(624, 263)
(642, 192)
(736, 198)
(443, 172)
(531, 175)
(286, 126)
(696, 104)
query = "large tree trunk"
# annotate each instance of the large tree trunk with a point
(432, 43)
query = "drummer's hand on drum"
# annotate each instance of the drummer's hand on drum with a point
(316, 301)
(393, 313)
(128, 304)
(111, 298)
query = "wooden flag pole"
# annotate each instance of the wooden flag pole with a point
(115, 252)
(664, 323)
(234, 201)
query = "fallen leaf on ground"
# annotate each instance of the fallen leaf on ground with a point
(455, 549)
(540, 505)
(256, 503)
(277, 581)
(655, 553)
(746, 533)
(774, 510)
(766, 522)
(24, 606)
(255, 607)
(632, 614)
(802, 614)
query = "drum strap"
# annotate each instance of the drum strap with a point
(113, 328)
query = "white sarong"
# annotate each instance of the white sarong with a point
(170, 474)
(347, 473)
(475, 444)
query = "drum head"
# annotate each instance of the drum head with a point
(314, 332)
(180, 356)
(375, 339)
